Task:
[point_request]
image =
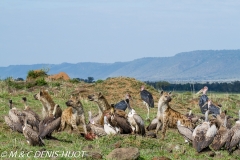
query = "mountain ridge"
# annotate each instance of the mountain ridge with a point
(200, 65)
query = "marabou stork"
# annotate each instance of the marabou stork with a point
(147, 99)
(123, 104)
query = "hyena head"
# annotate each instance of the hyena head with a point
(96, 97)
(165, 97)
(100, 100)
(75, 103)
(43, 95)
(48, 104)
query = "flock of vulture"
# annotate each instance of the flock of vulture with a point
(215, 132)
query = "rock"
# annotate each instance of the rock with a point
(236, 152)
(91, 153)
(130, 153)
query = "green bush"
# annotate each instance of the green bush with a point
(56, 84)
(35, 74)
(74, 80)
(41, 82)
(30, 84)
(99, 81)
(11, 83)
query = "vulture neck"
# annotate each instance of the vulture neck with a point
(206, 116)
(190, 112)
(225, 122)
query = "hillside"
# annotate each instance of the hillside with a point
(114, 90)
(208, 65)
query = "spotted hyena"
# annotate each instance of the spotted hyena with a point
(49, 107)
(73, 115)
(168, 117)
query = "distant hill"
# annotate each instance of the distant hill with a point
(202, 65)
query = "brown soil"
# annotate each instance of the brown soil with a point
(61, 75)
(115, 89)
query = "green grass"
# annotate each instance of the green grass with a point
(172, 147)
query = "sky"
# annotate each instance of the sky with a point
(108, 31)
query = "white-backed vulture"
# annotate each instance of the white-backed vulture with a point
(48, 125)
(13, 119)
(233, 139)
(221, 136)
(185, 132)
(108, 128)
(118, 119)
(136, 122)
(31, 136)
(153, 124)
(203, 134)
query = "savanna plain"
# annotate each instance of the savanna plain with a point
(114, 89)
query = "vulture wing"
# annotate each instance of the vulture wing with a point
(138, 119)
(13, 125)
(49, 127)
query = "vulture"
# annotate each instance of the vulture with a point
(108, 128)
(233, 139)
(118, 120)
(123, 105)
(28, 109)
(31, 136)
(191, 116)
(147, 99)
(33, 117)
(153, 124)
(13, 125)
(95, 129)
(14, 120)
(185, 131)
(221, 119)
(136, 122)
(96, 118)
(203, 134)
(48, 125)
(221, 137)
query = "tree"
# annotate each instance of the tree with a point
(90, 79)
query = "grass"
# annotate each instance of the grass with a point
(71, 144)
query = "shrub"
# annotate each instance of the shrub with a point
(41, 82)
(56, 84)
(74, 80)
(99, 81)
(37, 73)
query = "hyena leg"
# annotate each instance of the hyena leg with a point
(84, 124)
(74, 124)
(164, 127)
(159, 125)
(63, 125)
